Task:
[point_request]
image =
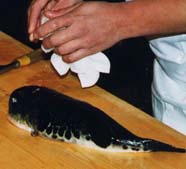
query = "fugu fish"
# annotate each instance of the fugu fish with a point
(51, 114)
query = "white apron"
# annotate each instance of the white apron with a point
(169, 81)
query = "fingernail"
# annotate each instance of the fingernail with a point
(31, 37)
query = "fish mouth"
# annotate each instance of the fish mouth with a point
(20, 124)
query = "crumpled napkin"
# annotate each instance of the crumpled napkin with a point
(88, 69)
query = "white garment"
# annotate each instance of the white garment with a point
(169, 81)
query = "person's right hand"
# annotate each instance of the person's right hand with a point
(38, 7)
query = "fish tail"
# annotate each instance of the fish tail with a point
(154, 146)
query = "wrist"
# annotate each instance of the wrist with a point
(130, 21)
(144, 18)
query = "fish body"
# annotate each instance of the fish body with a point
(51, 114)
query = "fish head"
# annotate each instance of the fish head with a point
(21, 111)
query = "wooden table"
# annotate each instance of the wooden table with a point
(18, 150)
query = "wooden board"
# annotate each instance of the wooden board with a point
(21, 151)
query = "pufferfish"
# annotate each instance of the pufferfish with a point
(48, 113)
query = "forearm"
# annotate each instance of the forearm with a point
(145, 17)
(111, 22)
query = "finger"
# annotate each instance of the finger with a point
(34, 13)
(74, 56)
(43, 17)
(29, 9)
(50, 5)
(60, 37)
(64, 4)
(51, 26)
(68, 47)
(55, 13)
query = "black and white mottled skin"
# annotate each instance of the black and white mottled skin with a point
(48, 113)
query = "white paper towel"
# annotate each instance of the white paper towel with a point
(88, 69)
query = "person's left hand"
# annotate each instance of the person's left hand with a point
(89, 28)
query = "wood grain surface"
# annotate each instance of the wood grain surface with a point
(18, 150)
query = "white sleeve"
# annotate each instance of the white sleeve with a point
(169, 81)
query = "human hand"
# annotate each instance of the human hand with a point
(89, 28)
(38, 7)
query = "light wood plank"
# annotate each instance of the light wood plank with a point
(21, 151)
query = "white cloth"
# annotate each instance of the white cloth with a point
(88, 69)
(169, 81)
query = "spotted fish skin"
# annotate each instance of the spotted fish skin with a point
(54, 115)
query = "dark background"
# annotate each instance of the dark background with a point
(131, 59)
